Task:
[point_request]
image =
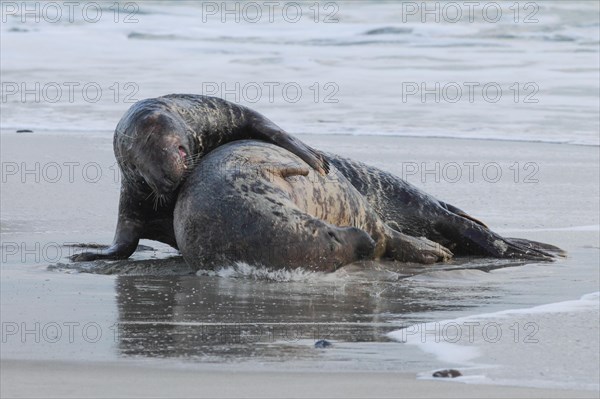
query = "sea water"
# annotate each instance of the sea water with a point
(498, 70)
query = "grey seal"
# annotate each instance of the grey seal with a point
(412, 211)
(253, 202)
(158, 142)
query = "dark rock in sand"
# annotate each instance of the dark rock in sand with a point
(449, 373)
(322, 343)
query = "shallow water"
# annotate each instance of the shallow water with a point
(505, 336)
(362, 67)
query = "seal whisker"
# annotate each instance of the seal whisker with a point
(156, 199)
(149, 195)
(195, 159)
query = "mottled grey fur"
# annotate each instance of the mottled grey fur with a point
(414, 212)
(254, 202)
(158, 142)
(146, 142)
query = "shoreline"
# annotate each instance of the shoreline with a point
(109, 133)
(79, 379)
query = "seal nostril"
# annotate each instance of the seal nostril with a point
(183, 156)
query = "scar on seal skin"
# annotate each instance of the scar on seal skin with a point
(253, 202)
(159, 141)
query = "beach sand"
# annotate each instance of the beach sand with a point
(59, 189)
(29, 379)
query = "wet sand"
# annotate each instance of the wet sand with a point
(65, 380)
(258, 328)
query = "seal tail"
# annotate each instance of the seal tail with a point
(470, 238)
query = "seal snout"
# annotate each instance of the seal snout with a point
(361, 241)
(365, 247)
(172, 172)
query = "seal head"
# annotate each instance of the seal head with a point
(158, 151)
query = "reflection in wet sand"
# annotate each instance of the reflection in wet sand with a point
(233, 314)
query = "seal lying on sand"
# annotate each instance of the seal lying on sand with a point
(254, 202)
(409, 210)
(158, 141)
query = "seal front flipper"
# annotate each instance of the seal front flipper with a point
(127, 236)
(125, 242)
(264, 129)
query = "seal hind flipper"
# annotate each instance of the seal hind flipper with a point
(473, 239)
(540, 246)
